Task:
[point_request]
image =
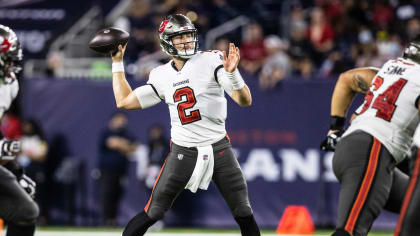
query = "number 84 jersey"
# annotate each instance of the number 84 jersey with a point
(196, 101)
(389, 111)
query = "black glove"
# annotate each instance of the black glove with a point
(330, 142)
(9, 149)
(28, 185)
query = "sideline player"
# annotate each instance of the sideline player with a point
(17, 207)
(377, 139)
(193, 85)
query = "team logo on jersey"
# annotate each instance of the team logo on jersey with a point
(180, 156)
(205, 157)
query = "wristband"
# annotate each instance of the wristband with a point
(337, 122)
(117, 67)
(236, 79)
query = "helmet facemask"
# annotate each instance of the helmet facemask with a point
(189, 47)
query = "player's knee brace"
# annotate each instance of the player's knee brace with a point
(138, 225)
(242, 210)
(340, 232)
(20, 230)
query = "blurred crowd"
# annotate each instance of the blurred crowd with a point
(293, 39)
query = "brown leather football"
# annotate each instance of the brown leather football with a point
(106, 41)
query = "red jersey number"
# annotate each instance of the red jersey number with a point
(385, 102)
(189, 103)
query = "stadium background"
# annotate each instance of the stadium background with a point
(292, 52)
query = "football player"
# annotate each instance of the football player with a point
(409, 221)
(377, 139)
(17, 206)
(193, 84)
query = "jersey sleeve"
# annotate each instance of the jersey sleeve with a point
(147, 96)
(224, 81)
(154, 83)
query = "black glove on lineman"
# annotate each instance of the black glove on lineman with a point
(330, 142)
(28, 185)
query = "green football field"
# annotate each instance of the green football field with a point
(92, 231)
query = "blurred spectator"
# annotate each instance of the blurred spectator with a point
(389, 46)
(221, 11)
(413, 29)
(140, 18)
(252, 48)
(382, 14)
(54, 64)
(115, 144)
(33, 158)
(222, 44)
(158, 150)
(320, 34)
(335, 64)
(277, 66)
(147, 62)
(306, 68)
(299, 46)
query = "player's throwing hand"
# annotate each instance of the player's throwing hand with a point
(231, 62)
(118, 57)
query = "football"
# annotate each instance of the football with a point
(106, 41)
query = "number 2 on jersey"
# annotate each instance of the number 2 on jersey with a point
(385, 102)
(189, 103)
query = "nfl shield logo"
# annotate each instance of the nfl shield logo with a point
(205, 157)
(180, 156)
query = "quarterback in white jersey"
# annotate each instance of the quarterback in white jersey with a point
(193, 84)
(378, 138)
(195, 96)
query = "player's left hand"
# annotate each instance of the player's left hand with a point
(231, 62)
(330, 142)
(28, 185)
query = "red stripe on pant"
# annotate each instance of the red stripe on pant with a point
(365, 187)
(409, 194)
(146, 208)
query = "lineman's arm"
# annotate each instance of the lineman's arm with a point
(349, 83)
(231, 80)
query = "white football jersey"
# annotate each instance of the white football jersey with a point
(196, 101)
(8, 92)
(389, 112)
